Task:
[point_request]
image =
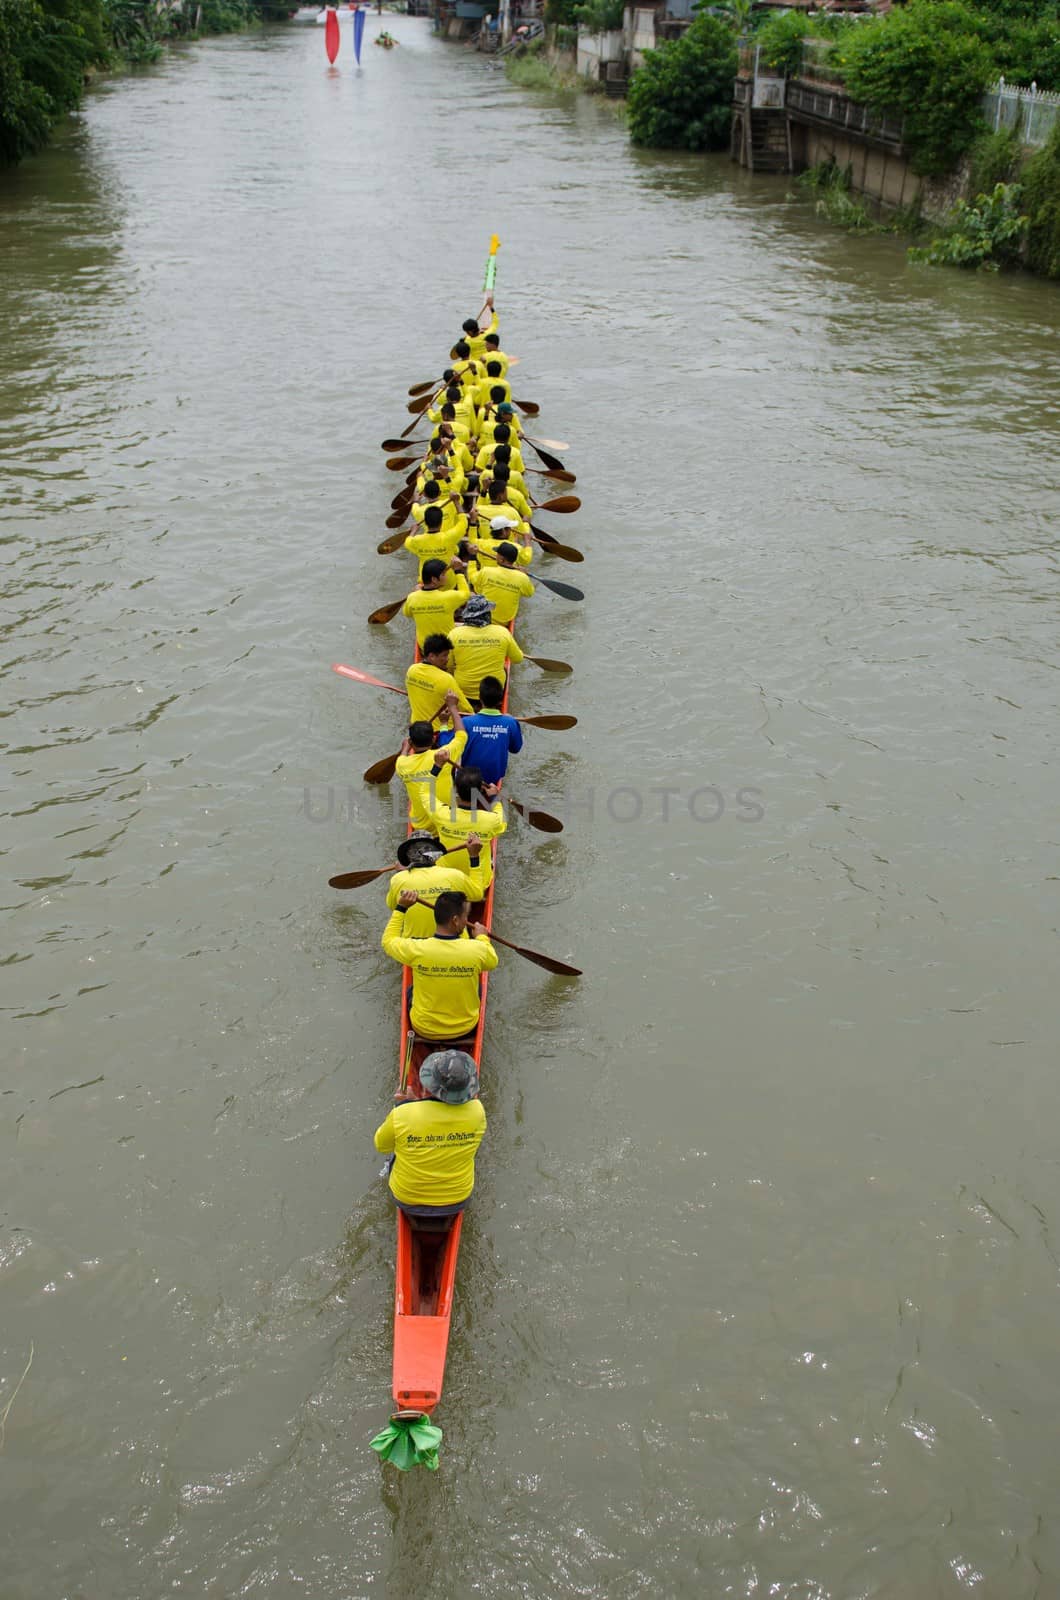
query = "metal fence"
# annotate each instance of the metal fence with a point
(1033, 111)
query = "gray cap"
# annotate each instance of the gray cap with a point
(420, 849)
(450, 1076)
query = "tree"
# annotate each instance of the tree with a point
(927, 62)
(681, 98)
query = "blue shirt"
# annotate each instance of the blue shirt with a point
(492, 737)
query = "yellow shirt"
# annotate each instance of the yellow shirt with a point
(484, 459)
(427, 687)
(489, 354)
(505, 586)
(516, 498)
(456, 482)
(453, 823)
(487, 552)
(434, 1147)
(490, 422)
(481, 652)
(425, 787)
(464, 411)
(484, 392)
(440, 546)
(433, 610)
(488, 509)
(430, 882)
(476, 342)
(445, 978)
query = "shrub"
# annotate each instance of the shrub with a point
(25, 115)
(681, 98)
(996, 158)
(1041, 202)
(779, 40)
(599, 16)
(928, 63)
(985, 233)
(831, 184)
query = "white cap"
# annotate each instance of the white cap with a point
(502, 522)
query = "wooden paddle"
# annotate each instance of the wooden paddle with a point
(400, 444)
(557, 474)
(562, 502)
(401, 463)
(420, 406)
(363, 677)
(413, 425)
(552, 547)
(388, 613)
(548, 665)
(567, 590)
(382, 771)
(543, 455)
(529, 408)
(542, 820)
(398, 517)
(422, 388)
(552, 444)
(394, 542)
(550, 964)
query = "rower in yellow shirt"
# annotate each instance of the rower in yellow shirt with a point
(428, 683)
(462, 404)
(432, 1138)
(428, 874)
(493, 352)
(502, 416)
(500, 476)
(501, 530)
(438, 543)
(464, 816)
(446, 968)
(502, 582)
(474, 335)
(493, 388)
(499, 453)
(427, 772)
(444, 442)
(481, 647)
(433, 606)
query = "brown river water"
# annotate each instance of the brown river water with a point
(760, 1290)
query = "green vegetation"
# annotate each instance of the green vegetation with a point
(995, 158)
(985, 233)
(830, 184)
(681, 98)
(1041, 202)
(531, 70)
(928, 64)
(780, 37)
(49, 48)
(599, 16)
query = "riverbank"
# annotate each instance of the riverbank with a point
(49, 60)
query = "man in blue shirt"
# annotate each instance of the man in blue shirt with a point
(492, 736)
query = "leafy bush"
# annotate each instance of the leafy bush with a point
(560, 11)
(996, 158)
(1041, 202)
(779, 40)
(831, 184)
(928, 63)
(681, 98)
(599, 16)
(985, 233)
(25, 113)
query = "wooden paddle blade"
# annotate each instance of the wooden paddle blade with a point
(363, 677)
(529, 408)
(562, 969)
(382, 771)
(555, 474)
(413, 425)
(394, 542)
(567, 590)
(562, 502)
(398, 518)
(394, 444)
(386, 613)
(423, 388)
(421, 405)
(541, 820)
(565, 552)
(548, 665)
(550, 461)
(354, 880)
(552, 444)
(401, 463)
(557, 724)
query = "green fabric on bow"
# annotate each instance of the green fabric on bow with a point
(409, 1442)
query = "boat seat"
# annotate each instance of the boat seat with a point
(429, 1224)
